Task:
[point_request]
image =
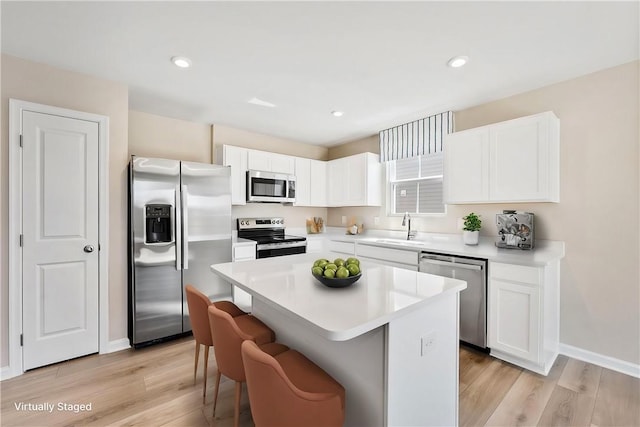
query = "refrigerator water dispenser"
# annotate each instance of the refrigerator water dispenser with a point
(158, 223)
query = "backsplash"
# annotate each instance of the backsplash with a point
(449, 222)
(294, 216)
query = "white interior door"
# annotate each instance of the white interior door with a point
(60, 238)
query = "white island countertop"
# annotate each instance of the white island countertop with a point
(382, 293)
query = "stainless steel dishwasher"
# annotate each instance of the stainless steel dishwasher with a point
(473, 300)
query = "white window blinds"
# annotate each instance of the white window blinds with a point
(415, 138)
(416, 184)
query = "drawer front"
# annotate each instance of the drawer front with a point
(515, 273)
(343, 247)
(314, 245)
(386, 254)
(243, 253)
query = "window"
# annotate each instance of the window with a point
(415, 184)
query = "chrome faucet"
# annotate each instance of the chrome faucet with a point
(406, 220)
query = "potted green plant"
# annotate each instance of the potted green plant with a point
(470, 231)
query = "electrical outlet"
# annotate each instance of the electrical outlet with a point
(427, 343)
(344, 220)
(376, 220)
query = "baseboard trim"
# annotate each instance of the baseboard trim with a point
(6, 372)
(118, 345)
(608, 362)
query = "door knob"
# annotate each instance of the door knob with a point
(88, 248)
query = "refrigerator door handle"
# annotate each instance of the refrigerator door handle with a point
(178, 227)
(185, 227)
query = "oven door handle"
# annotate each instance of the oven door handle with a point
(280, 245)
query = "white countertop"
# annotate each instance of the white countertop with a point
(545, 251)
(382, 293)
(239, 241)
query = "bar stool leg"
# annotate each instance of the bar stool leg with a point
(195, 362)
(236, 414)
(215, 392)
(206, 371)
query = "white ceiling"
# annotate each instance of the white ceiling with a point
(382, 63)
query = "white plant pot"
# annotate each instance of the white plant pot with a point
(470, 237)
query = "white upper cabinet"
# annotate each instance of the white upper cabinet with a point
(513, 161)
(524, 159)
(236, 157)
(271, 162)
(311, 182)
(466, 166)
(349, 181)
(355, 181)
(318, 183)
(303, 182)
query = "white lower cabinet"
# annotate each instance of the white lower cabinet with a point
(407, 259)
(523, 311)
(515, 319)
(348, 248)
(315, 245)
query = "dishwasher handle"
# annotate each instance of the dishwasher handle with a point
(428, 260)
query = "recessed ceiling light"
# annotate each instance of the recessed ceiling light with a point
(260, 102)
(181, 61)
(457, 61)
(336, 113)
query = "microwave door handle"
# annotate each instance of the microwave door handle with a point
(178, 227)
(185, 228)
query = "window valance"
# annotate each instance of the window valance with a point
(415, 138)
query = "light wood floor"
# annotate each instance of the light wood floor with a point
(154, 387)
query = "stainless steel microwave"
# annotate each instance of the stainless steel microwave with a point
(270, 187)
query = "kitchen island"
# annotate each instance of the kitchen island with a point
(391, 338)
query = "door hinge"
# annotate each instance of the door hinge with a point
(98, 247)
(21, 341)
(20, 140)
(21, 240)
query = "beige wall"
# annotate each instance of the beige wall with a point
(369, 144)
(168, 138)
(43, 84)
(293, 216)
(598, 214)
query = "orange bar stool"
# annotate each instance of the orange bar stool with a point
(289, 390)
(198, 304)
(228, 333)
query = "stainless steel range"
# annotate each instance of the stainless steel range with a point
(270, 237)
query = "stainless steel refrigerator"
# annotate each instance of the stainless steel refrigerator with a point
(179, 224)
